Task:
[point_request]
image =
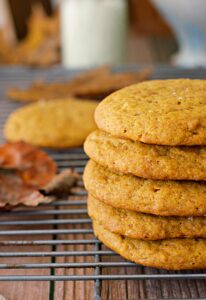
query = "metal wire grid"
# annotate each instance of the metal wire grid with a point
(65, 219)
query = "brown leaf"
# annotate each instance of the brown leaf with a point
(34, 166)
(95, 84)
(27, 176)
(111, 83)
(14, 191)
(40, 90)
(61, 184)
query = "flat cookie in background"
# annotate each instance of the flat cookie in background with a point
(56, 124)
(166, 198)
(146, 161)
(163, 112)
(94, 84)
(170, 254)
(145, 226)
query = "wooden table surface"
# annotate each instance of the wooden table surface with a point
(78, 290)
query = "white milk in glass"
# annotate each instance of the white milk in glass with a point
(93, 32)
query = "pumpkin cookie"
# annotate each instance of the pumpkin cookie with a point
(143, 226)
(147, 161)
(171, 254)
(164, 112)
(166, 198)
(56, 124)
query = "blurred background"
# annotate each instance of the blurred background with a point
(84, 33)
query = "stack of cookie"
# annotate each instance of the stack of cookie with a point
(147, 195)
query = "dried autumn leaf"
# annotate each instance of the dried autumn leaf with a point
(61, 184)
(33, 165)
(110, 83)
(28, 176)
(95, 84)
(14, 191)
(40, 90)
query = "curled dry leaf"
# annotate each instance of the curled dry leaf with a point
(14, 191)
(33, 165)
(23, 170)
(40, 90)
(61, 184)
(95, 84)
(99, 89)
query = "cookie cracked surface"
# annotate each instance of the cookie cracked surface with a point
(166, 198)
(144, 226)
(163, 112)
(170, 254)
(147, 161)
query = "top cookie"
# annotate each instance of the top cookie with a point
(163, 112)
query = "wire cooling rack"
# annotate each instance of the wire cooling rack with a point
(54, 242)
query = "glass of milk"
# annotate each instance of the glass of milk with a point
(93, 32)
